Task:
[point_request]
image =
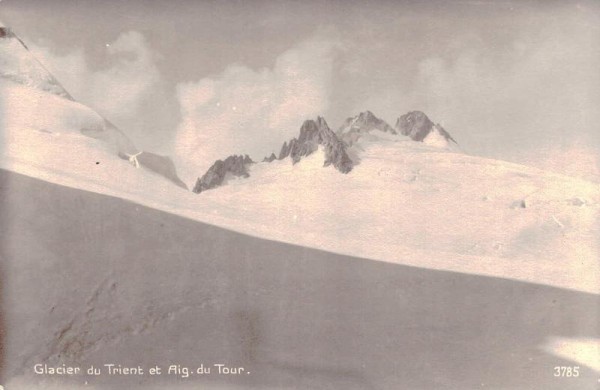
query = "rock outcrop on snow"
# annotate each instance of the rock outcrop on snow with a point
(312, 135)
(272, 157)
(418, 126)
(365, 122)
(235, 165)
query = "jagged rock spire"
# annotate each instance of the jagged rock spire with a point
(235, 165)
(355, 127)
(312, 134)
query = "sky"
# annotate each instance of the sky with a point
(199, 80)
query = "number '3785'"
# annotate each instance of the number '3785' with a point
(566, 371)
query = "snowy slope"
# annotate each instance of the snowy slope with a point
(405, 202)
(17, 64)
(413, 204)
(106, 280)
(437, 138)
(27, 89)
(58, 135)
(25, 84)
(91, 279)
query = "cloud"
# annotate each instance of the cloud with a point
(122, 88)
(123, 91)
(70, 69)
(515, 94)
(536, 96)
(242, 110)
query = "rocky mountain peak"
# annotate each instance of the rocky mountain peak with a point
(418, 126)
(312, 134)
(234, 165)
(365, 122)
(272, 157)
(367, 117)
(316, 133)
(321, 123)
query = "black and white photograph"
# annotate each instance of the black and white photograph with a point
(281, 194)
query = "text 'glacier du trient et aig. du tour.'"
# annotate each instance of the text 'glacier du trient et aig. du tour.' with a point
(112, 369)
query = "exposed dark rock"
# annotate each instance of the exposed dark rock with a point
(315, 133)
(365, 122)
(215, 176)
(287, 148)
(284, 152)
(417, 126)
(519, 204)
(272, 157)
(577, 202)
(307, 142)
(6, 32)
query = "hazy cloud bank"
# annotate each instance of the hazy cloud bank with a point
(128, 91)
(243, 110)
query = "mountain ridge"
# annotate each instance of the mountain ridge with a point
(337, 146)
